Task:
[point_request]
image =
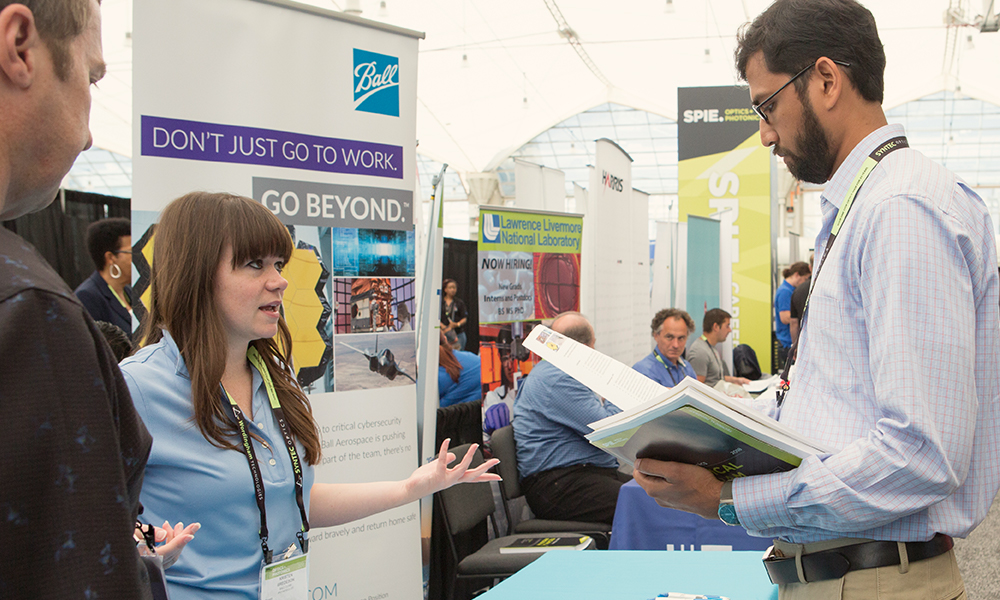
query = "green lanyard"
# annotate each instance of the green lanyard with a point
(715, 353)
(667, 367)
(119, 298)
(258, 361)
(867, 167)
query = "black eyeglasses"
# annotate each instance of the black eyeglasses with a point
(758, 108)
(122, 251)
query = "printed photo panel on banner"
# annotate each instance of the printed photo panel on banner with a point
(375, 360)
(372, 304)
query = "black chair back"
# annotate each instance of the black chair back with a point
(502, 444)
(467, 504)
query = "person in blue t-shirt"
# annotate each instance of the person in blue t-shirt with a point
(665, 365)
(794, 276)
(459, 375)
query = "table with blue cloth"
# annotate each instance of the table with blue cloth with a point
(599, 575)
(642, 524)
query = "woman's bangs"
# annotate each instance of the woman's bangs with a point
(256, 233)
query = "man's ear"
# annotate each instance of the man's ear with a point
(834, 80)
(19, 41)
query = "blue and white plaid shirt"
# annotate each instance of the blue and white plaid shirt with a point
(899, 365)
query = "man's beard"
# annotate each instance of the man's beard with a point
(815, 164)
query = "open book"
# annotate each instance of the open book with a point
(690, 422)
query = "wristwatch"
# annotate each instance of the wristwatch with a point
(727, 510)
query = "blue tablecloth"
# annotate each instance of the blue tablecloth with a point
(642, 524)
(600, 575)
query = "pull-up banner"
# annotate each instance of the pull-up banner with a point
(725, 172)
(313, 114)
(529, 270)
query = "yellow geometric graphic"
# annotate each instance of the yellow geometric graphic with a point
(303, 309)
(147, 252)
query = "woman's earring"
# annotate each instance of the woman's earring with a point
(116, 271)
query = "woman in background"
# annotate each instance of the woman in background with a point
(213, 377)
(107, 293)
(459, 375)
(453, 312)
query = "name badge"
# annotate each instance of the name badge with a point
(286, 579)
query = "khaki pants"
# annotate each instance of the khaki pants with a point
(936, 578)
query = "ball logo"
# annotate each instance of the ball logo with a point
(611, 182)
(491, 228)
(376, 83)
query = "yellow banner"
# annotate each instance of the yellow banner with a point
(738, 180)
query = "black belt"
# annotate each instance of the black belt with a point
(835, 563)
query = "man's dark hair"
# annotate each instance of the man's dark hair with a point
(792, 34)
(671, 313)
(103, 236)
(799, 268)
(580, 330)
(58, 22)
(714, 317)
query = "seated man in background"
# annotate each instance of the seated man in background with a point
(664, 365)
(704, 358)
(563, 476)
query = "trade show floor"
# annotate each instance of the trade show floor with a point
(979, 557)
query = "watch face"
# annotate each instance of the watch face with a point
(727, 512)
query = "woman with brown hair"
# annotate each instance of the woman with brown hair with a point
(214, 384)
(459, 375)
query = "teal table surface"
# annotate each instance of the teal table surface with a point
(637, 575)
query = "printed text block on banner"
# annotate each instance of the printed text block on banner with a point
(215, 142)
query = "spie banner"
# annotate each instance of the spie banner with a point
(529, 270)
(724, 170)
(314, 116)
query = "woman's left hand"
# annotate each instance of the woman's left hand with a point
(171, 541)
(436, 476)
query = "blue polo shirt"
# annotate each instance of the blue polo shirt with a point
(665, 373)
(190, 480)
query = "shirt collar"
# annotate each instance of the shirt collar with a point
(171, 346)
(841, 181)
(666, 361)
(180, 368)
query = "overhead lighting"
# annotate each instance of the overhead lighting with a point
(465, 60)
(352, 7)
(383, 12)
(708, 55)
(669, 8)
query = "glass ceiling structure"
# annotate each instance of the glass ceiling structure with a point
(962, 133)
